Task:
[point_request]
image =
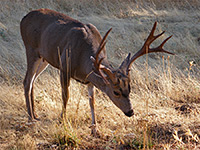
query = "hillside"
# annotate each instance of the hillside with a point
(165, 89)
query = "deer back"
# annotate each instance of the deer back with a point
(47, 30)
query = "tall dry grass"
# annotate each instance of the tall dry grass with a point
(165, 91)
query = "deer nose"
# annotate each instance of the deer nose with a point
(129, 113)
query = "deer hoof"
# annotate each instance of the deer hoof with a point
(36, 119)
(33, 119)
(94, 131)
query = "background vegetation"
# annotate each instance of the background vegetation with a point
(165, 89)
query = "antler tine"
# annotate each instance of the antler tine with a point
(97, 62)
(99, 50)
(153, 29)
(105, 36)
(160, 47)
(162, 44)
(145, 48)
(151, 36)
(102, 44)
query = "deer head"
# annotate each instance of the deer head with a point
(118, 81)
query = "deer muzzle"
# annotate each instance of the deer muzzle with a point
(129, 113)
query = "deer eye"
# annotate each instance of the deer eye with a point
(116, 93)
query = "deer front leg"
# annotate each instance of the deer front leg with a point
(65, 92)
(92, 102)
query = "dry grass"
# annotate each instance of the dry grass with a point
(165, 93)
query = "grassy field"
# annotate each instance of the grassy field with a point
(165, 89)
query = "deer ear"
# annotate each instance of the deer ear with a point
(124, 64)
(92, 58)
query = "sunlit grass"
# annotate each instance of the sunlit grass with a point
(165, 91)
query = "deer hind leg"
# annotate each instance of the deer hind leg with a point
(42, 66)
(92, 102)
(33, 62)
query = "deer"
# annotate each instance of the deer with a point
(78, 51)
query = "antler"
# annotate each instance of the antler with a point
(96, 61)
(145, 49)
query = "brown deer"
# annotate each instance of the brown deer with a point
(78, 50)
